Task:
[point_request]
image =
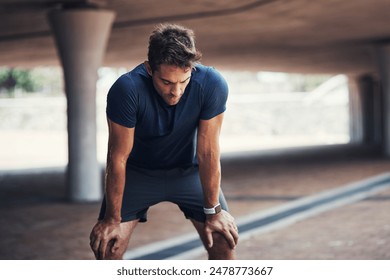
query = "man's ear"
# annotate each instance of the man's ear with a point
(148, 68)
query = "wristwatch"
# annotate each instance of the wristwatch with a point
(214, 210)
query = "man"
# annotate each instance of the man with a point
(164, 120)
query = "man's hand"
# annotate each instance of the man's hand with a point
(104, 236)
(224, 224)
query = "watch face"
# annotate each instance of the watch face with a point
(218, 209)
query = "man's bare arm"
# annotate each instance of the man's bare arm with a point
(208, 154)
(120, 144)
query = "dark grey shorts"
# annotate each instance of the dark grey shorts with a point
(144, 188)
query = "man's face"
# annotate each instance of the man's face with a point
(170, 82)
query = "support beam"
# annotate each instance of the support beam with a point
(383, 57)
(81, 36)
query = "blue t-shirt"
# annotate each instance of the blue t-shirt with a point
(165, 136)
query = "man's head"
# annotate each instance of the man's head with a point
(174, 45)
(172, 55)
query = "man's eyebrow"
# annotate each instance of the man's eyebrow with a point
(165, 80)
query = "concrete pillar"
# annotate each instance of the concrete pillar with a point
(355, 111)
(365, 110)
(372, 109)
(383, 57)
(81, 37)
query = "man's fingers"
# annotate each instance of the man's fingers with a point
(114, 246)
(102, 249)
(234, 232)
(95, 249)
(91, 242)
(231, 235)
(94, 243)
(225, 226)
(209, 237)
(230, 239)
(235, 236)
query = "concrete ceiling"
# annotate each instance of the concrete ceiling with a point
(322, 36)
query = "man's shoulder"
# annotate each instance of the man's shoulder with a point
(201, 70)
(205, 73)
(207, 76)
(137, 73)
(132, 79)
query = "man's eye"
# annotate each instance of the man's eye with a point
(166, 82)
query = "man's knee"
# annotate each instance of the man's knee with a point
(221, 249)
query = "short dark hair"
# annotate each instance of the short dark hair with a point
(172, 44)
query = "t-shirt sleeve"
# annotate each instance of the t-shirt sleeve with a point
(215, 95)
(122, 102)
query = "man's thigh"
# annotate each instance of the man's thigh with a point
(142, 190)
(187, 192)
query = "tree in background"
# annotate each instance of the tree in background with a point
(12, 79)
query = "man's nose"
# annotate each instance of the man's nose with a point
(176, 90)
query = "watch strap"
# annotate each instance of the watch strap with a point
(212, 211)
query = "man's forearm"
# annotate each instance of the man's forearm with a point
(210, 176)
(208, 154)
(115, 183)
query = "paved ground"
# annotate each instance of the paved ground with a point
(36, 222)
(358, 231)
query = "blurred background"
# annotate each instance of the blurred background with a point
(308, 112)
(266, 110)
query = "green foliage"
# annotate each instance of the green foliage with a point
(12, 79)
